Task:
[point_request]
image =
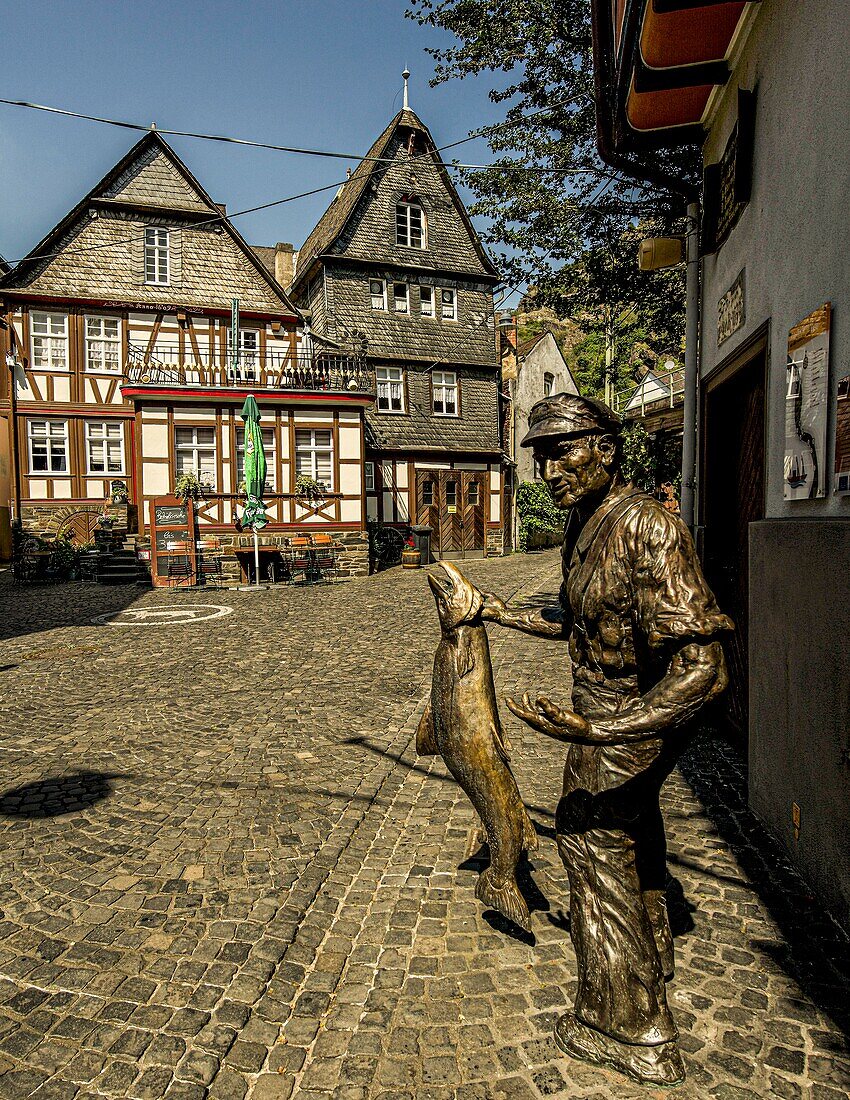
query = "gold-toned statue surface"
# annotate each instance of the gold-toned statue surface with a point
(461, 723)
(642, 628)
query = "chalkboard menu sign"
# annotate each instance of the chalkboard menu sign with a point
(165, 538)
(170, 515)
(172, 522)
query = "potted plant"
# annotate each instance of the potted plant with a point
(411, 558)
(307, 488)
(188, 486)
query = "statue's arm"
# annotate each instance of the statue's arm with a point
(695, 675)
(547, 622)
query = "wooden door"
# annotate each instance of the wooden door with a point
(474, 495)
(451, 512)
(427, 506)
(734, 490)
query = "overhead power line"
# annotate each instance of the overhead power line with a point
(324, 153)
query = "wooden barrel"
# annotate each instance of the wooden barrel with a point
(410, 558)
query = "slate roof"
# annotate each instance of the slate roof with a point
(335, 219)
(150, 177)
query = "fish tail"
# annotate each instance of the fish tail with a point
(505, 899)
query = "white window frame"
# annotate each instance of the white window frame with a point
(548, 383)
(308, 446)
(100, 342)
(194, 448)
(53, 442)
(47, 343)
(369, 477)
(404, 224)
(386, 380)
(249, 355)
(445, 391)
(100, 433)
(405, 298)
(157, 249)
(448, 304)
(426, 301)
(270, 450)
(382, 298)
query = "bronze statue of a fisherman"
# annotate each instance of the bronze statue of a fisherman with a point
(642, 626)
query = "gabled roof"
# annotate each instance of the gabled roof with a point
(334, 220)
(196, 204)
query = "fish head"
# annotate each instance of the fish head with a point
(458, 601)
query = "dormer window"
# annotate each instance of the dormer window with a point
(156, 256)
(410, 223)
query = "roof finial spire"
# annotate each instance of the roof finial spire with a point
(406, 77)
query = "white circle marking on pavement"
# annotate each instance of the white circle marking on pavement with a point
(164, 616)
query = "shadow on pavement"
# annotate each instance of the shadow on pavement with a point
(813, 949)
(64, 794)
(33, 608)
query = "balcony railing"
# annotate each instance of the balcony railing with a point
(170, 365)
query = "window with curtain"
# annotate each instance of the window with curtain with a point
(103, 344)
(48, 446)
(195, 452)
(314, 455)
(444, 389)
(105, 447)
(390, 384)
(49, 340)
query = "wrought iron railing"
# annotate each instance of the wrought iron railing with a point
(273, 370)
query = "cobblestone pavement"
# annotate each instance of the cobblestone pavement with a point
(225, 874)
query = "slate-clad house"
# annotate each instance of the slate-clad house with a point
(120, 325)
(394, 268)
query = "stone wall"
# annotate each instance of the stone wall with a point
(47, 519)
(495, 542)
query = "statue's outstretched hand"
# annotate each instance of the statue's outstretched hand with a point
(547, 717)
(493, 607)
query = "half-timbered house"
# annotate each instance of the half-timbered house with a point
(394, 269)
(126, 365)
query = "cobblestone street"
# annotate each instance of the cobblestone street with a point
(225, 873)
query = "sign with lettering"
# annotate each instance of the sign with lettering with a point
(172, 521)
(168, 515)
(731, 310)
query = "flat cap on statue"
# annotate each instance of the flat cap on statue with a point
(569, 414)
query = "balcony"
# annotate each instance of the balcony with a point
(278, 371)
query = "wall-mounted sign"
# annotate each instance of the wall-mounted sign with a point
(842, 436)
(731, 310)
(806, 407)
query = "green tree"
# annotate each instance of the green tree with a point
(564, 223)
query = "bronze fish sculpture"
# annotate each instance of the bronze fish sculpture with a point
(461, 724)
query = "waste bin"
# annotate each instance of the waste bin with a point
(421, 534)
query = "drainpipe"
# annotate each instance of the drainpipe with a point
(689, 412)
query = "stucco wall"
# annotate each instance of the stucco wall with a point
(800, 695)
(792, 237)
(544, 358)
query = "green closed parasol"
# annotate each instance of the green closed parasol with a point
(254, 511)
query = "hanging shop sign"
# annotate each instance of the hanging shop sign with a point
(806, 407)
(731, 310)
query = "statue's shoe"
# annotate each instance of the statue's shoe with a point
(658, 1065)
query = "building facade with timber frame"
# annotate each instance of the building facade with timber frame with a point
(119, 329)
(394, 270)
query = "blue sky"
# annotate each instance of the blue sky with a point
(317, 73)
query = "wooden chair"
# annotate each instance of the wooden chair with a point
(325, 561)
(210, 562)
(179, 562)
